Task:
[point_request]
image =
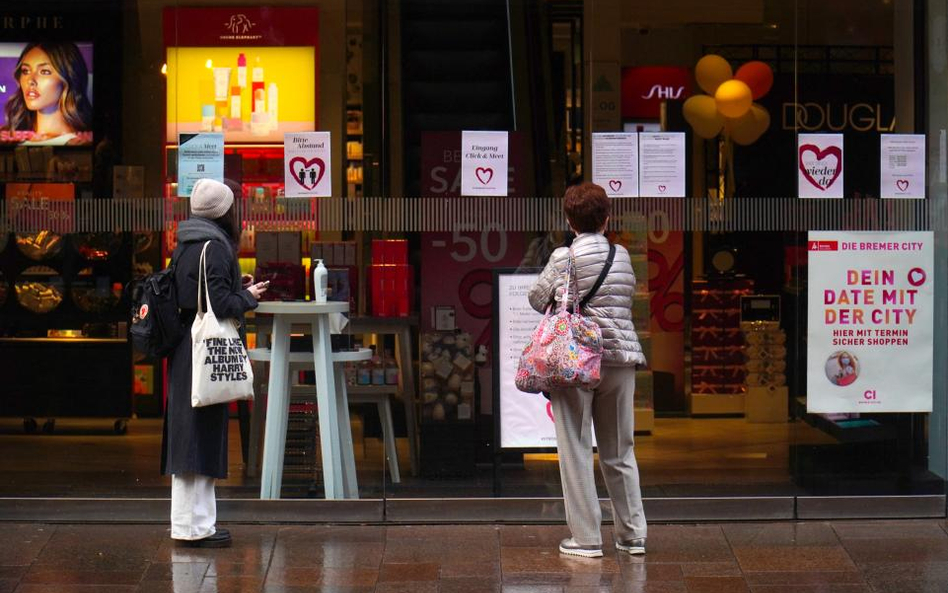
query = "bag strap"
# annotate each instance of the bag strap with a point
(202, 280)
(602, 278)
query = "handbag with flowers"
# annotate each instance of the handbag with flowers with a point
(566, 347)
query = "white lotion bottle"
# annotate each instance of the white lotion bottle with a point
(320, 282)
(273, 105)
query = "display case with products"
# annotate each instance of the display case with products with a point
(718, 370)
(62, 307)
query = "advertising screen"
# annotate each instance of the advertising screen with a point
(250, 94)
(46, 93)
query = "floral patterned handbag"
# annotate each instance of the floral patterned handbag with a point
(566, 348)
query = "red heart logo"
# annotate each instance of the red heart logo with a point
(549, 411)
(615, 185)
(833, 151)
(661, 188)
(916, 276)
(304, 173)
(902, 184)
(483, 172)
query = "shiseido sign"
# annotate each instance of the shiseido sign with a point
(644, 88)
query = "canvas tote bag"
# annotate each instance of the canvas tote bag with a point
(220, 367)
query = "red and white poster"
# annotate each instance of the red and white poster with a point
(484, 163)
(307, 170)
(820, 165)
(870, 322)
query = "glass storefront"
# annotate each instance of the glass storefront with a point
(739, 141)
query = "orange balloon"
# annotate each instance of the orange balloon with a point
(733, 98)
(758, 76)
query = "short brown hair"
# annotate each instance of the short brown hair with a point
(587, 207)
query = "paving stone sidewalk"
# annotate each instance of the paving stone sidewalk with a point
(808, 557)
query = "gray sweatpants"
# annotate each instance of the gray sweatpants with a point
(611, 409)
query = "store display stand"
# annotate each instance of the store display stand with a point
(401, 328)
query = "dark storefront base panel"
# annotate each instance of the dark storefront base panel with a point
(477, 510)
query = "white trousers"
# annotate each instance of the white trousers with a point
(193, 506)
(610, 409)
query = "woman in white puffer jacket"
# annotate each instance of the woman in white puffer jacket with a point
(609, 407)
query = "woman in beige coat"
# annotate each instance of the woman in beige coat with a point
(609, 407)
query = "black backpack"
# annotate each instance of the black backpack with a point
(156, 324)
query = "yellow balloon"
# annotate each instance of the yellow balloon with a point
(733, 98)
(711, 71)
(702, 115)
(749, 127)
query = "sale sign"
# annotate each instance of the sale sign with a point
(484, 163)
(820, 165)
(306, 164)
(870, 322)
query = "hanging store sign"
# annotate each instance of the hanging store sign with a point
(199, 156)
(615, 162)
(902, 166)
(870, 322)
(645, 88)
(307, 170)
(820, 165)
(484, 163)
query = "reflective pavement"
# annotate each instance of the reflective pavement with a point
(806, 557)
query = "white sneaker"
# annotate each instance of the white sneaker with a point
(570, 547)
(635, 547)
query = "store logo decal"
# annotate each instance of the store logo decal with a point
(902, 184)
(661, 189)
(239, 23)
(307, 174)
(484, 172)
(816, 170)
(615, 185)
(823, 246)
(664, 92)
(917, 277)
(239, 26)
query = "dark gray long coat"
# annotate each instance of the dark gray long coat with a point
(194, 440)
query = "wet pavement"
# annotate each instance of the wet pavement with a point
(810, 557)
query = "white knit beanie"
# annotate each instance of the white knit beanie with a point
(210, 199)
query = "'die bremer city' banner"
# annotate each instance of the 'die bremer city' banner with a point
(484, 163)
(870, 318)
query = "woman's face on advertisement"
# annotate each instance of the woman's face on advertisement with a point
(40, 83)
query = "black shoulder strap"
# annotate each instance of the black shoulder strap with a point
(602, 278)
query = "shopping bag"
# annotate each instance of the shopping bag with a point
(220, 367)
(565, 349)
